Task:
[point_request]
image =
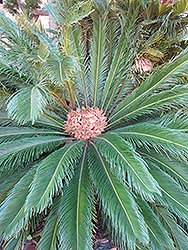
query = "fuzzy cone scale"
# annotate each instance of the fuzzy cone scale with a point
(85, 123)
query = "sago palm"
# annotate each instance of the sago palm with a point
(86, 134)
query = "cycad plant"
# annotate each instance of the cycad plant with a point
(86, 134)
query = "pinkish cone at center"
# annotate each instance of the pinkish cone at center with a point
(85, 123)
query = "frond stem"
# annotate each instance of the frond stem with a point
(83, 83)
(97, 70)
(116, 99)
(113, 94)
(59, 100)
(78, 200)
(68, 85)
(66, 40)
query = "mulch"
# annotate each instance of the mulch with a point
(101, 239)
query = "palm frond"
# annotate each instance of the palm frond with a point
(68, 13)
(49, 239)
(78, 11)
(59, 166)
(112, 36)
(147, 134)
(12, 208)
(174, 97)
(175, 120)
(50, 119)
(26, 150)
(47, 42)
(119, 66)
(5, 120)
(98, 57)
(175, 196)
(74, 33)
(15, 37)
(10, 178)
(117, 200)
(10, 75)
(14, 243)
(140, 246)
(14, 133)
(119, 153)
(27, 104)
(178, 234)
(61, 72)
(177, 169)
(159, 238)
(166, 75)
(76, 209)
(17, 49)
(136, 170)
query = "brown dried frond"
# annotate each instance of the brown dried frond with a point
(85, 123)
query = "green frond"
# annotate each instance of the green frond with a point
(140, 246)
(117, 201)
(76, 209)
(58, 12)
(10, 75)
(136, 170)
(174, 97)
(125, 161)
(10, 178)
(175, 120)
(12, 215)
(17, 48)
(78, 12)
(178, 234)
(53, 171)
(119, 66)
(58, 70)
(175, 196)
(27, 104)
(165, 76)
(49, 239)
(74, 33)
(16, 38)
(5, 120)
(25, 150)
(177, 169)
(14, 243)
(48, 43)
(98, 58)
(50, 119)
(159, 238)
(112, 36)
(14, 133)
(69, 14)
(180, 7)
(147, 135)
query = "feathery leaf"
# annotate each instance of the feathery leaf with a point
(148, 134)
(49, 240)
(26, 150)
(12, 216)
(26, 105)
(119, 153)
(154, 81)
(51, 173)
(115, 196)
(76, 210)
